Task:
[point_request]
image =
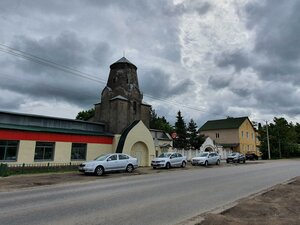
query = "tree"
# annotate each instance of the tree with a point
(283, 139)
(297, 130)
(85, 114)
(181, 131)
(195, 140)
(159, 123)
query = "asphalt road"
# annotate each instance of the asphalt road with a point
(163, 198)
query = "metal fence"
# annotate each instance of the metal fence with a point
(10, 169)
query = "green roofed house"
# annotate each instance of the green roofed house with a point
(234, 134)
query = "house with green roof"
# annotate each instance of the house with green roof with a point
(234, 134)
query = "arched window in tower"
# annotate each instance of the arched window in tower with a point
(134, 107)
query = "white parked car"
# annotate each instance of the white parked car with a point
(168, 160)
(206, 158)
(109, 162)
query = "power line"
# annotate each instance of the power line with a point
(46, 62)
(49, 63)
(51, 87)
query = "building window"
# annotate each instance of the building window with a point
(247, 134)
(78, 151)
(8, 150)
(242, 134)
(217, 135)
(44, 151)
(252, 136)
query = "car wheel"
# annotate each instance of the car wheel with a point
(129, 168)
(227, 161)
(244, 161)
(183, 164)
(238, 161)
(99, 171)
(206, 163)
(168, 165)
(218, 162)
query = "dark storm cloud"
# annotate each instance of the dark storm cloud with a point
(276, 24)
(157, 83)
(236, 59)
(277, 94)
(153, 25)
(219, 81)
(276, 51)
(101, 52)
(274, 58)
(203, 8)
(40, 81)
(65, 49)
(277, 27)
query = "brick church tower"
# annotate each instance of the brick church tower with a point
(121, 99)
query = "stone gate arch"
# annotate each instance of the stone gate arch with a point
(136, 140)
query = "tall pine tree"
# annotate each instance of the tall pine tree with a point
(195, 140)
(181, 131)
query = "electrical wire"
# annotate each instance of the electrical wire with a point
(49, 63)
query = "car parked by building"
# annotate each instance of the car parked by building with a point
(236, 157)
(168, 160)
(251, 156)
(206, 158)
(109, 162)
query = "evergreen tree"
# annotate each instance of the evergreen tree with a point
(181, 131)
(192, 134)
(297, 130)
(195, 140)
(282, 137)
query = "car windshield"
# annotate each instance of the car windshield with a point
(164, 155)
(101, 157)
(233, 154)
(203, 154)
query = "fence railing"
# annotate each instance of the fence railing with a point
(10, 169)
(189, 153)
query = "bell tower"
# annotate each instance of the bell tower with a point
(121, 99)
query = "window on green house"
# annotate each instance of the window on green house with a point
(78, 151)
(44, 151)
(8, 150)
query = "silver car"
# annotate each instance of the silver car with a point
(206, 158)
(168, 160)
(109, 162)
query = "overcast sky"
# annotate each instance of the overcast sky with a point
(208, 59)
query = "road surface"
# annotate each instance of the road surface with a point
(163, 198)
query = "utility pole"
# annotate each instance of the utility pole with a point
(269, 153)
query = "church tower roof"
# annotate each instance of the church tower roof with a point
(123, 61)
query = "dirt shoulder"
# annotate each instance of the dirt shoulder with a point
(278, 205)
